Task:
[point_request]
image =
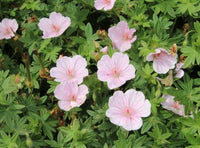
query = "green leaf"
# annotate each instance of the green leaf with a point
(8, 86)
(192, 56)
(88, 30)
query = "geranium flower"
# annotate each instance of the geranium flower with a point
(162, 60)
(54, 26)
(172, 105)
(104, 4)
(122, 36)
(116, 70)
(126, 109)
(70, 69)
(179, 72)
(70, 95)
(7, 28)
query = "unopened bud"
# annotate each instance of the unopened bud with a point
(29, 142)
(60, 56)
(185, 42)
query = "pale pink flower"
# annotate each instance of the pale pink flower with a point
(70, 95)
(7, 28)
(122, 36)
(54, 26)
(104, 50)
(172, 105)
(116, 70)
(163, 61)
(126, 109)
(70, 69)
(104, 4)
(179, 72)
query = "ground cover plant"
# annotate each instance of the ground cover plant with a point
(99, 73)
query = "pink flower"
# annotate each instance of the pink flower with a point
(104, 50)
(122, 36)
(70, 69)
(126, 109)
(7, 28)
(70, 95)
(172, 105)
(104, 4)
(162, 60)
(54, 26)
(179, 72)
(116, 70)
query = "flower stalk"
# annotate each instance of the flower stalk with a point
(41, 64)
(29, 82)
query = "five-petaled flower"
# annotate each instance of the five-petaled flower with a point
(172, 105)
(54, 26)
(122, 36)
(116, 70)
(70, 69)
(104, 4)
(126, 109)
(70, 95)
(7, 28)
(163, 61)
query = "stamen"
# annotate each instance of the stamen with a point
(115, 73)
(176, 104)
(70, 74)
(127, 111)
(73, 98)
(55, 28)
(107, 1)
(7, 31)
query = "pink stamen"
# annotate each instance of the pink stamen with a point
(127, 111)
(107, 1)
(7, 31)
(158, 54)
(127, 37)
(115, 73)
(73, 98)
(70, 73)
(56, 29)
(176, 104)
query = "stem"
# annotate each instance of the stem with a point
(172, 29)
(41, 64)
(27, 68)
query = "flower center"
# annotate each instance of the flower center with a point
(55, 28)
(115, 73)
(176, 105)
(128, 112)
(107, 1)
(8, 31)
(70, 74)
(127, 37)
(157, 55)
(73, 98)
